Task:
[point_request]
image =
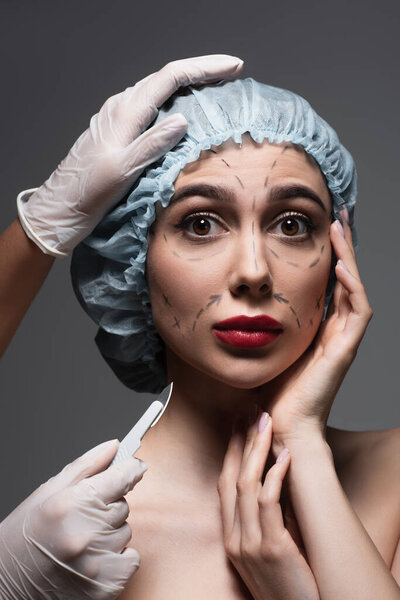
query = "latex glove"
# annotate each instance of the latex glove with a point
(110, 155)
(65, 540)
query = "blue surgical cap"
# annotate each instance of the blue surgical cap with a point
(108, 267)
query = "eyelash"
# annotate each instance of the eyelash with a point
(188, 219)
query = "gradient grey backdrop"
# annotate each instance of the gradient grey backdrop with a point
(60, 61)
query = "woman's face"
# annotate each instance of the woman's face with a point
(246, 233)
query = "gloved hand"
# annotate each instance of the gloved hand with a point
(110, 155)
(65, 540)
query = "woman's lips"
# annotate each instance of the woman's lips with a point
(248, 332)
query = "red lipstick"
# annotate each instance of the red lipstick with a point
(248, 332)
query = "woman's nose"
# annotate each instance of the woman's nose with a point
(250, 273)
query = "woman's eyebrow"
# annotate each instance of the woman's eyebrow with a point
(216, 192)
(223, 194)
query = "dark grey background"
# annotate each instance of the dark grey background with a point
(59, 63)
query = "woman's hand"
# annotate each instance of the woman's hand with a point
(268, 557)
(67, 539)
(300, 399)
(110, 155)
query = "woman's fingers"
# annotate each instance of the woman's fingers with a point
(249, 482)
(271, 518)
(227, 483)
(132, 111)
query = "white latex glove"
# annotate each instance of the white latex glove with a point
(110, 155)
(65, 540)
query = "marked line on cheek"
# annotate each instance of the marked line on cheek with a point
(224, 161)
(311, 323)
(318, 302)
(293, 264)
(322, 248)
(273, 252)
(166, 300)
(273, 164)
(194, 325)
(254, 203)
(295, 314)
(214, 298)
(177, 323)
(266, 181)
(315, 262)
(175, 253)
(199, 313)
(239, 180)
(165, 237)
(280, 298)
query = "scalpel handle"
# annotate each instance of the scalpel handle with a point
(131, 442)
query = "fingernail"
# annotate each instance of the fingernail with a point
(345, 213)
(282, 455)
(342, 264)
(262, 423)
(339, 226)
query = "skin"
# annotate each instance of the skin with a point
(250, 268)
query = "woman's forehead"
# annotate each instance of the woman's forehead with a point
(283, 159)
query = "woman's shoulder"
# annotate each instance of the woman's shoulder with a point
(373, 445)
(368, 467)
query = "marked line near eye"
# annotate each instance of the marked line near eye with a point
(239, 180)
(165, 237)
(214, 298)
(322, 248)
(315, 262)
(273, 252)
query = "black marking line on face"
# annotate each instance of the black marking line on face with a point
(177, 323)
(165, 237)
(273, 164)
(176, 254)
(266, 181)
(239, 180)
(194, 325)
(322, 248)
(214, 151)
(315, 262)
(273, 252)
(254, 203)
(295, 314)
(292, 264)
(166, 300)
(224, 161)
(286, 147)
(255, 258)
(311, 322)
(252, 227)
(214, 298)
(280, 298)
(199, 313)
(317, 304)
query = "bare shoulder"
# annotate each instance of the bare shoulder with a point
(366, 448)
(368, 466)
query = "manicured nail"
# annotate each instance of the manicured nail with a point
(345, 213)
(341, 263)
(339, 226)
(282, 455)
(262, 423)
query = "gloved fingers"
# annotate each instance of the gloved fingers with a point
(125, 116)
(117, 480)
(117, 512)
(93, 461)
(151, 145)
(112, 540)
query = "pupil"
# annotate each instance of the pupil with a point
(203, 228)
(291, 226)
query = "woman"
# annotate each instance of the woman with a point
(205, 496)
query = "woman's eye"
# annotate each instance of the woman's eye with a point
(200, 225)
(294, 225)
